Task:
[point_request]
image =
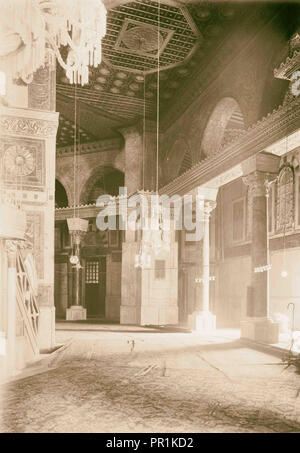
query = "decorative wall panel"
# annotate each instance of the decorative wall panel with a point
(34, 236)
(23, 163)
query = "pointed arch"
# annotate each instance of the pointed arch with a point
(61, 197)
(102, 180)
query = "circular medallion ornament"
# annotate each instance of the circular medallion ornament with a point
(19, 161)
(143, 39)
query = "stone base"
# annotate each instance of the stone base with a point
(46, 338)
(202, 321)
(130, 314)
(150, 315)
(263, 330)
(75, 313)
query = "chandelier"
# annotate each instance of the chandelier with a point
(27, 27)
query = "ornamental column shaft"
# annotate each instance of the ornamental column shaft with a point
(77, 271)
(259, 171)
(78, 228)
(259, 248)
(205, 263)
(202, 319)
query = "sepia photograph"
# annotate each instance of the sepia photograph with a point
(149, 219)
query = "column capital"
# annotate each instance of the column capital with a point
(209, 206)
(11, 250)
(258, 182)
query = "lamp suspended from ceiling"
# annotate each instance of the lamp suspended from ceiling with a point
(27, 27)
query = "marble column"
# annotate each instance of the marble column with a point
(202, 319)
(78, 228)
(258, 326)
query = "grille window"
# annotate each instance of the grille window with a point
(92, 272)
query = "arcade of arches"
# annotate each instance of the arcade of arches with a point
(229, 122)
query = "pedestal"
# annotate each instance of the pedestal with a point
(202, 321)
(263, 330)
(76, 313)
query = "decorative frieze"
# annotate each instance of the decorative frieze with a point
(27, 126)
(95, 147)
(283, 121)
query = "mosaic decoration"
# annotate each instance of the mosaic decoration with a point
(187, 40)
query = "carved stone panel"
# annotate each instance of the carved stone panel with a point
(285, 198)
(34, 237)
(22, 163)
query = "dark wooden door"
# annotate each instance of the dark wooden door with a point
(95, 287)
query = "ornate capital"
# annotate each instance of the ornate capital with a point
(209, 206)
(258, 183)
(11, 247)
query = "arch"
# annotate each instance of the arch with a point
(61, 197)
(224, 124)
(103, 180)
(178, 159)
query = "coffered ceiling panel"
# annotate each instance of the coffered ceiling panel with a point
(143, 35)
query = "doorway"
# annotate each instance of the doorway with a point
(95, 286)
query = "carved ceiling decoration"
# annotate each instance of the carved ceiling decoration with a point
(65, 133)
(189, 36)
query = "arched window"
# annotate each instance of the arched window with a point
(2, 83)
(285, 198)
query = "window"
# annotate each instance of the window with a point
(160, 269)
(238, 220)
(285, 198)
(92, 272)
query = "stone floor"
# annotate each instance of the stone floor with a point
(127, 379)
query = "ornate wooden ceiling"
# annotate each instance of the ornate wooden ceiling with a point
(66, 131)
(126, 82)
